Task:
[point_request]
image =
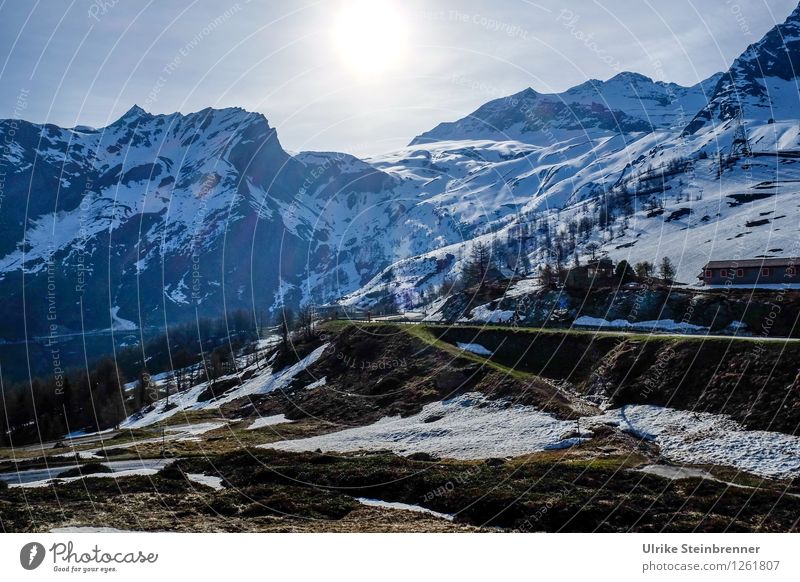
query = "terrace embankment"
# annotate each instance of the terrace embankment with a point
(774, 312)
(755, 382)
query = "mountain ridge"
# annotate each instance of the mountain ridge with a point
(626, 103)
(170, 216)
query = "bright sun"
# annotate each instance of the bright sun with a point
(370, 36)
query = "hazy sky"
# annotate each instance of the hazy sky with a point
(87, 62)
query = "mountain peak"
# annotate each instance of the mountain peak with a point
(134, 112)
(794, 17)
(132, 115)
(630, 77)
(762, 83)
(527, 93)
(626, 103)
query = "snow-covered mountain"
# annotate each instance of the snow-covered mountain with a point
(627, 103)
(157, 218)
(761, 85)
(643, 169)
(136, 218)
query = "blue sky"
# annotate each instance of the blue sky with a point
(88, 61)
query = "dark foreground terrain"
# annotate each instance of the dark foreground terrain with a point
(587, 490)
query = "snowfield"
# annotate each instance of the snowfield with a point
(699, 438)
(472, 427)
(466, 427)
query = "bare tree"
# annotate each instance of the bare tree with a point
(305, 322)
(478, 265)
(593, 248)
(285, 323)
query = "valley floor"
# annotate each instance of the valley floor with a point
(404, 428)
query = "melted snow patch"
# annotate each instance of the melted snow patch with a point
(469, 426)
(207, 480)
(474, 348)
(403, 506)
(268, 421)
(700, 438)
(659, 324)
(120, 324)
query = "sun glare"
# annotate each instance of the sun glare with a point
(370, 36)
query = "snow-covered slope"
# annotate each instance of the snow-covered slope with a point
(262, 382)
(662, 105)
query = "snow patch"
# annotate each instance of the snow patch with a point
(318, 383)
(404, 507)
(83, 455)
(471, 427)
(658, 324)
(269, 421)
(88, 529)
(120, 324)
(700, 438)
(482, 313)
(474, 348)
(524, 287)
(120, 469)
(207, 480)
(190, 430)
(674, 472)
